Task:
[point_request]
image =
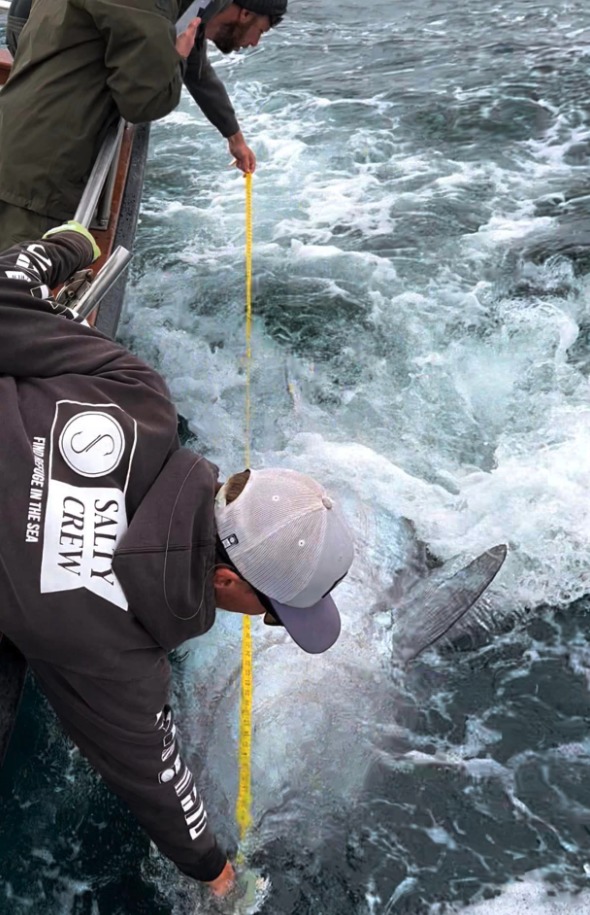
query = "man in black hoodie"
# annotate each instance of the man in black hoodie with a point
(118, 545)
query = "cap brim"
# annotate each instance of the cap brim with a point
(315, 629)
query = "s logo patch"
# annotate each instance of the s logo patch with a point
(92, 443)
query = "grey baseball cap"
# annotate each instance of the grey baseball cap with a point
(289, 539)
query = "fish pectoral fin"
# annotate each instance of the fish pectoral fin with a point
(441, 601)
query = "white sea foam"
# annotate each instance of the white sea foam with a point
(530, 896)
(410, 354)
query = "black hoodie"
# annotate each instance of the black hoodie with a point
(108, 543)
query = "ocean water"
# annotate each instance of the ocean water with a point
(420, 342)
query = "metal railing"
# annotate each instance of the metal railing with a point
(104, 280)
(99, 174)
(118, 261)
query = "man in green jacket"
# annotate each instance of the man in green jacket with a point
(82, 64)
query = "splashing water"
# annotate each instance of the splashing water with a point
(420, 344)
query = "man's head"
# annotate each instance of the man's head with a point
(242, 24)
(287, 546)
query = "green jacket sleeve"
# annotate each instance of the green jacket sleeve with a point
(209, 92)
(144, 68)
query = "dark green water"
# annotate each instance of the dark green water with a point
(420, 341)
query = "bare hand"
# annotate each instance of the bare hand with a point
(223, 884)
(244, 158)
(186, 40)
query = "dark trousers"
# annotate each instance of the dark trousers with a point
(18, 224)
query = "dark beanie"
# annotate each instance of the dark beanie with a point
(270, 8)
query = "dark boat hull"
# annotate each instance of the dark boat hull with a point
(109, 313)
(13, 670)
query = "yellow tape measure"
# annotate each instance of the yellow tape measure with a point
(244, 799)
